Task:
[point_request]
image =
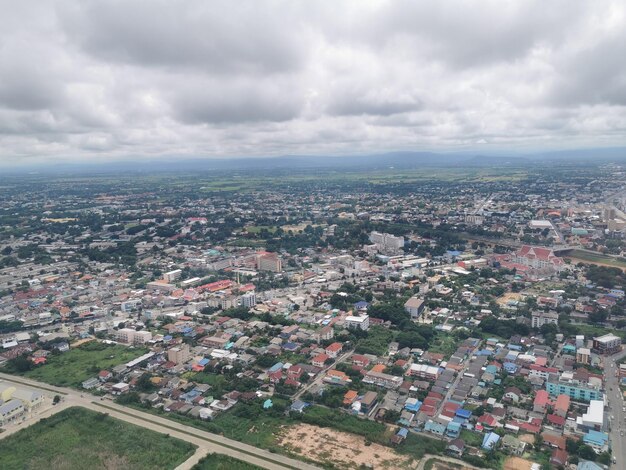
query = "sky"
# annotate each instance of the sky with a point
(92, 81)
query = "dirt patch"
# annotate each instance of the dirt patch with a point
(527, 438)
(503, 299)
(448, 466)
(341, 449)
(517, 463)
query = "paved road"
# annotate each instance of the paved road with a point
(320, 377)
(207, 442)
(421, 464)
(617, 416)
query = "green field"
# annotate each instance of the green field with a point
(223, 462)
(77, 365)
(594, 258)
(79, 438)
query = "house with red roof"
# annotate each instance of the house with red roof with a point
(541, 402)
(320, 360)
(334, 349)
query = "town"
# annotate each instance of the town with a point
(360, 320)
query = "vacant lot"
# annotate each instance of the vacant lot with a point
(339, 448)
(223, 462)
(80, 438)
(77, 365)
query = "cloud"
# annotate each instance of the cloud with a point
(130, 79)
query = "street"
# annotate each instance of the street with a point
(616, 411)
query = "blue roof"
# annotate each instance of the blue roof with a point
(490, 440)
(454, 425)
(596, 437)
(275, 367)
(416, 407)
(587, 465)
(403, 432)
(203, 362)
(299, 405)
(267, 404)
(484, 352)
(361, 304)
(463, 413)
(514, 347)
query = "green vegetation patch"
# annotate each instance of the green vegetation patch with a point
(223, 462)
(80, 438)
(77, 365)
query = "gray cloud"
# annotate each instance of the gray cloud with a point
(116, 79)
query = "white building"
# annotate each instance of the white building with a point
(544, 318)
(362, 322)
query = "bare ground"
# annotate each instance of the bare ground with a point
(341, 449)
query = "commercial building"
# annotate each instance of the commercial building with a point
(179, 354)
(544, 318)
(172, 275)
(248, 300)
(386, 242)
(269, 262)
(593, 418)
(362, 322)
(130, 336)
(576, 390)
(414, 307)
(583, 356)
(424, 371)
(10, 411)
(607, 344)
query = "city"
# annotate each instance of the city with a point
(468, 318)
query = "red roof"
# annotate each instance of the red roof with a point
(335, 347)
(557, 420)
(541, 398)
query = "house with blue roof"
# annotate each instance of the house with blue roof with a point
(463, 414)
(413, 406)
(362, 305)
(436, 426)
(454, 429)
(569, 349)
(587, 465)
(596, 440)
(298, 406)
(276, 367)
(484, 352)
(267, 404)
(490, 441)
(510, 367)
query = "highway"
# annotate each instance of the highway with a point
(617, 416)
(206, 442)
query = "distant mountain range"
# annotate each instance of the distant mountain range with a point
(404, 160)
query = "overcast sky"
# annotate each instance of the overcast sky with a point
(94, 80)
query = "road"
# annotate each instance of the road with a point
(320, 377)
(616, 411)
(206, 442)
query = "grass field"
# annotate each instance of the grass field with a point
(594, 258)
(223, 462)
(80, 438)
(77, 365)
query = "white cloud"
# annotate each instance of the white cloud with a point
(127, 79)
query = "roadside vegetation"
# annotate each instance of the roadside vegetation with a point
(80, 438)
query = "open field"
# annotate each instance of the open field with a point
(341, 449)
(579, 256)
(223, 462)
(80, 438)
(78, 364)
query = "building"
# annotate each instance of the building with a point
(130, 336)
(10, 411)
(561, 406)
(544, 318)
(269, 262)
(382, 380)
(593, 418)
(607, 344)
(538, 258)
(362, 322)
(172, 275)
(179, 354)
(424, 371)
(583, 356)
(576, 390)
(248, 300)
(386, 242)
(414, 307)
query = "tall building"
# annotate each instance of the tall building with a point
(130, 336)
(544, 318)
(607, 344)
(269, 262)
(248, 300)
(386, 242)
(179, 354)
